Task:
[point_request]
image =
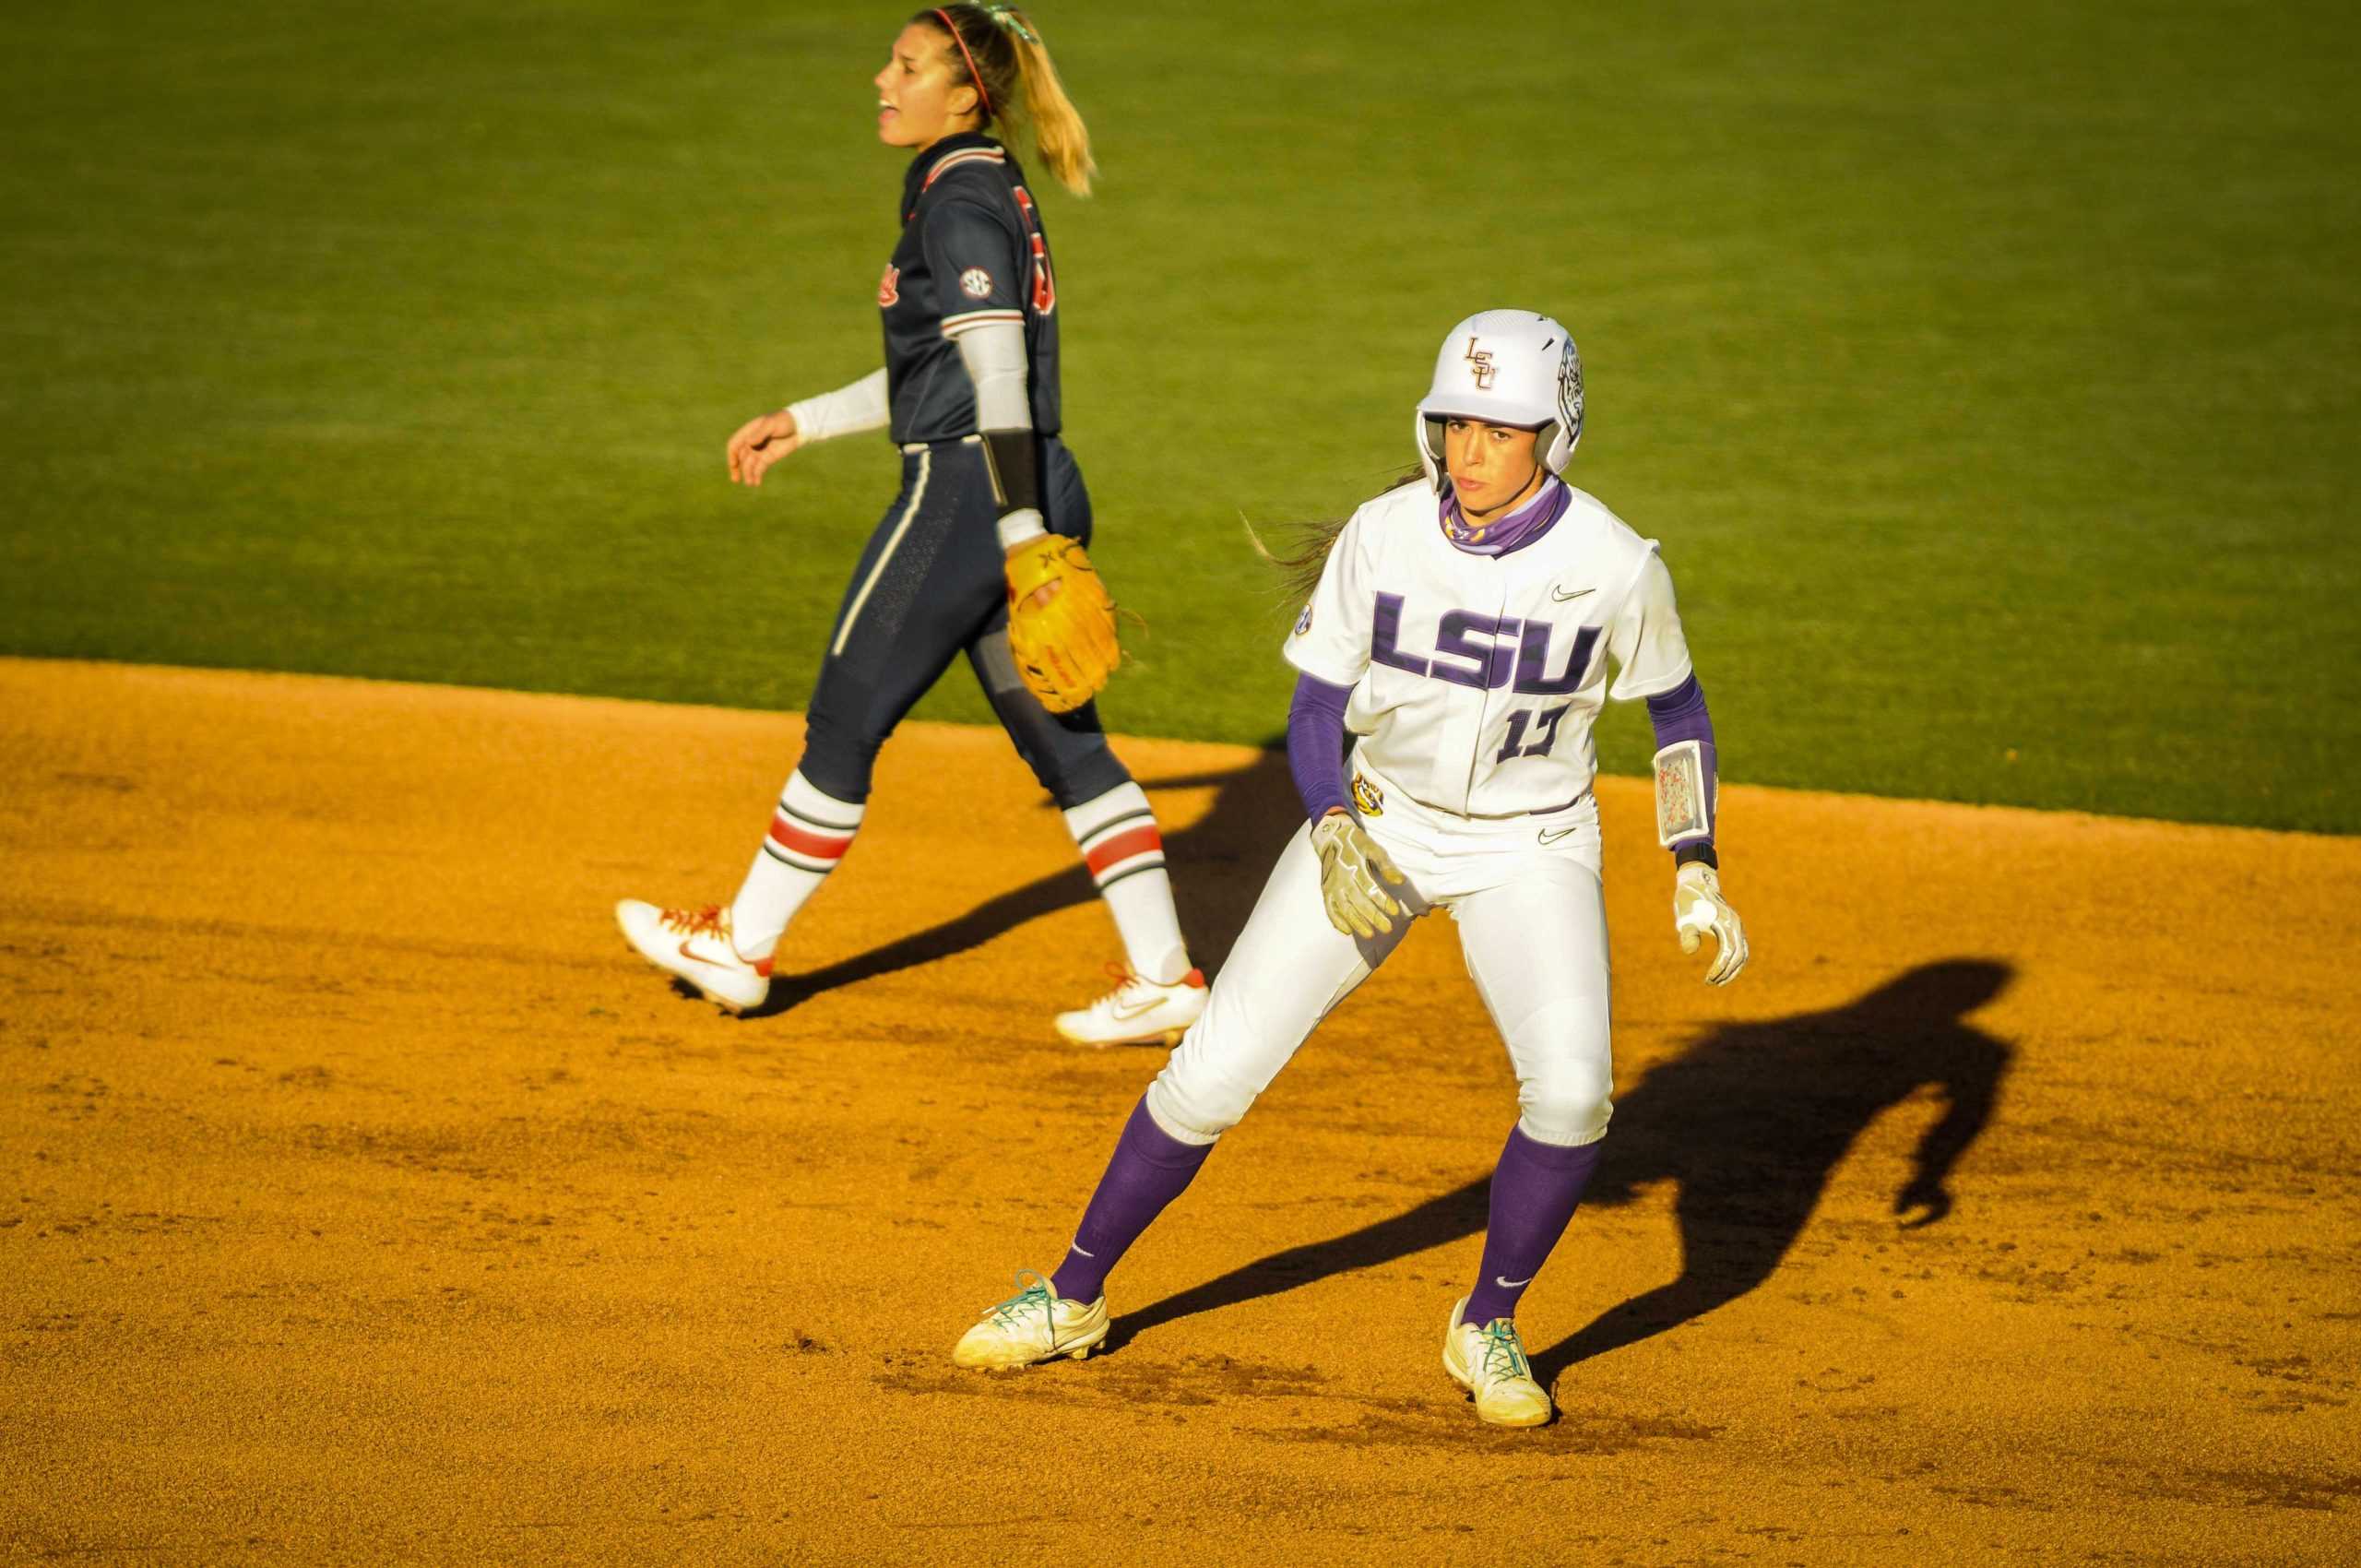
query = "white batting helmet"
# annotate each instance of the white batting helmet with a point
(1505, 367)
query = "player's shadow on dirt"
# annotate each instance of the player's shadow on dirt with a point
(1219, 866)
(1750, 1123)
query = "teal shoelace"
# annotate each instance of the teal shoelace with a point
(1036, 1295)
(1504, 1352)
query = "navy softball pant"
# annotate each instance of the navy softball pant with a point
(931, 584)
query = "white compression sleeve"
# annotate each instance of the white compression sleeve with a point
(993, 352)
(849, 411)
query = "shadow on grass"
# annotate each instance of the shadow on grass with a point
(1750, 1123)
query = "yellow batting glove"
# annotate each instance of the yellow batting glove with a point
(1353, 872)
(1697, 907)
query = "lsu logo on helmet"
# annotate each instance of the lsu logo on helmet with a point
(1507, 367)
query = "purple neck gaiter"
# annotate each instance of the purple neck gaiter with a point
(1515, 532)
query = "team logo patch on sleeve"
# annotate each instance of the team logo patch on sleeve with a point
(976, 283)
(1303, 621)
(889, 287)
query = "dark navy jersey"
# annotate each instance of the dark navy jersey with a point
(972, 252)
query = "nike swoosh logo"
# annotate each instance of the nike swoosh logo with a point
(1569, 597)
(1551, 835)
(1512, 1284)
(1125, 1015)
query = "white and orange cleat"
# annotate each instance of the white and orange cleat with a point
(694, 945)
(1138, 1011)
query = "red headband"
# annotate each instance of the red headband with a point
(973, 75)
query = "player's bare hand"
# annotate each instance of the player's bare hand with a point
(1699, 910)
(1354, 873)
(759, 443)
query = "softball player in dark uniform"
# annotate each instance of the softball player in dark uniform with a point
(969, 389)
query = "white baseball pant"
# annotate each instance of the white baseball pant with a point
(1532, 926)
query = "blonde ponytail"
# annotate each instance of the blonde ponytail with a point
(1058, 130)
(998, 49)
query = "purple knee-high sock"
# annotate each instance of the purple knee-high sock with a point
(1535, 1188)
(1150, 1169)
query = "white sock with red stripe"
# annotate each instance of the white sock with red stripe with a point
(810, 833)
(1118, 837)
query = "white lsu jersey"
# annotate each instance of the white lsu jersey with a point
(1476, 678)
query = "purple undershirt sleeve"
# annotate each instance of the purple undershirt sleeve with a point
(1680, 714)
(1316, 744)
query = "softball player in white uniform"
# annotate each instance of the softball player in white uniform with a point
(1460, 633)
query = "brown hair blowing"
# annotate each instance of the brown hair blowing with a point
(1304, 548)
(1013, 71)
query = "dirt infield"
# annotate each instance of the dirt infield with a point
(368, 1200)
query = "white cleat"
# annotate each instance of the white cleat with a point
(694, 945)
(1032, 1325)
(1490, 1363)
(1138, 1011)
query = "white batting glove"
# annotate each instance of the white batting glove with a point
(1697, 907)
(1353, 874)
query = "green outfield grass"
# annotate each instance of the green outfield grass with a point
(1988, 373)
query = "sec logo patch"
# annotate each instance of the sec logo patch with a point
(976, 283)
